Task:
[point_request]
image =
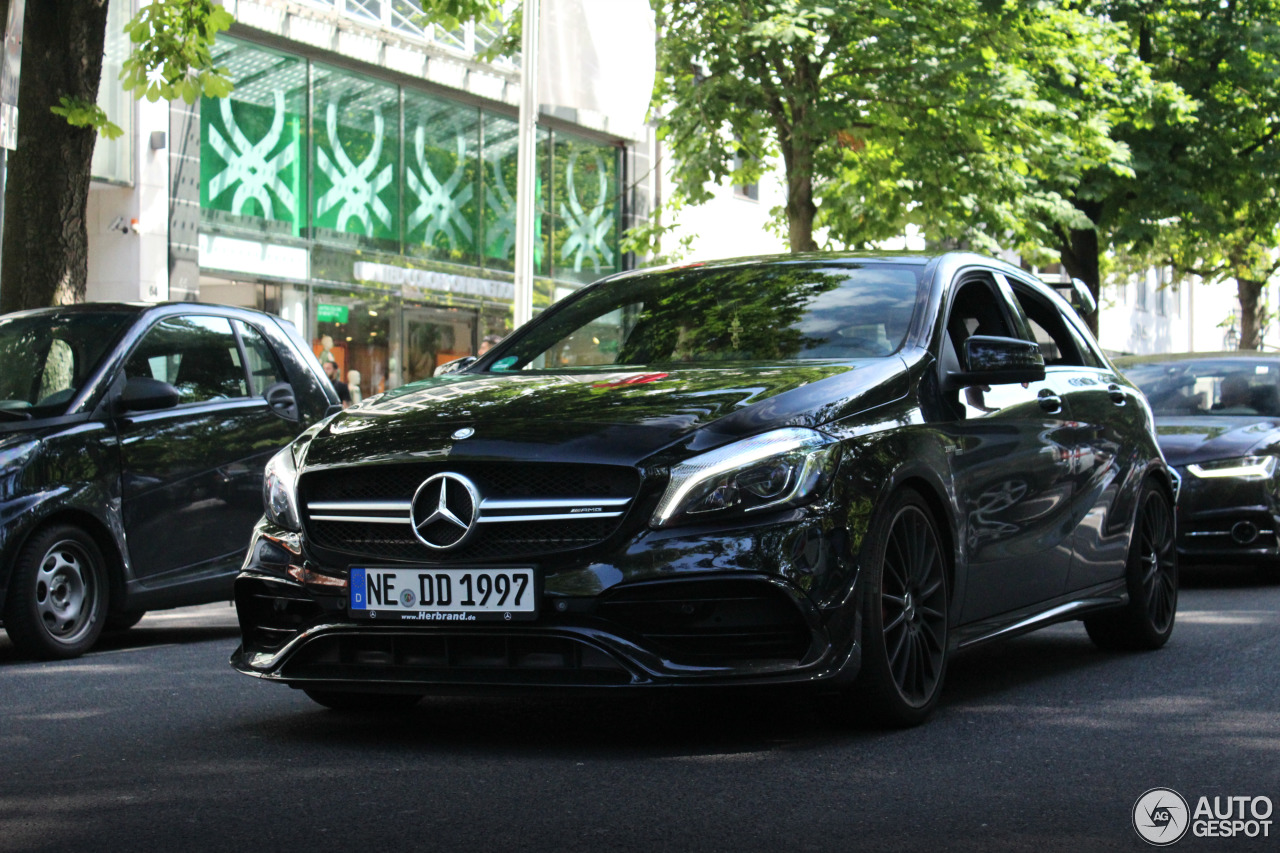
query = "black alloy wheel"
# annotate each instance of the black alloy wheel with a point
(57, 601)
(1151, 576)
(905, 622)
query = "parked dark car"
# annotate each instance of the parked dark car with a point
(822, 470)
(1218, 422)
(132, 445)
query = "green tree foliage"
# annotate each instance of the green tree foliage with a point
(970, 119)
(1205, 197)
(975, 121)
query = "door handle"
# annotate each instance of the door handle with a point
(1117, 395)
(1049, 401)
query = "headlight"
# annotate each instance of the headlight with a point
(280, 490)
(1244, 467)
(781, 468)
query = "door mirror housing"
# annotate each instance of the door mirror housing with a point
(991, 360)
(144, 394)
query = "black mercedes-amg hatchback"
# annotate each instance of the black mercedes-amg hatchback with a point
(821, 470)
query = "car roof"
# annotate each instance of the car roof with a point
(1162, 358)
(140, 308)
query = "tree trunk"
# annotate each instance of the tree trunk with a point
(797, 159)
(1250, 293)
(1080, 257)
(45, 238)
(800, 213)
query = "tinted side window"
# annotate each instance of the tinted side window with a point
(264, 367)
(197, 355)
(1050, 330)
(975, 310)
(57, 382)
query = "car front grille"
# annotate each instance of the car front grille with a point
(524, 509)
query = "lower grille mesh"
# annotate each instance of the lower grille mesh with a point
(459, 659)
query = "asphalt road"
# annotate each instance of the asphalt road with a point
(1042, 743)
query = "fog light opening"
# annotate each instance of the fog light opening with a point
(1244, 532)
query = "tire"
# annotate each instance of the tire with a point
(57, 602)
(366, 703)
(1151, 575)
(123, 620)
(904, 617)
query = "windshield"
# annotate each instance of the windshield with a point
(1215, 386)
(48, 357)
(748, 312)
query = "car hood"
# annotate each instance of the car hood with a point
(617, 416)
(1201, 439)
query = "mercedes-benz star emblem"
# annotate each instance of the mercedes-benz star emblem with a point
(444, 511)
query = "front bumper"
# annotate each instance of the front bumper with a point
(774, 603)
(1228, 520)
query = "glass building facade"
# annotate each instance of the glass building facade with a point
(380, 217)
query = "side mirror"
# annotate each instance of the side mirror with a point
(455, 365)
(281, 401)
(990, 360)
(144, 394)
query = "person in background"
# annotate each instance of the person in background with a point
(487, 343)
(1234, 397)
(344, 393)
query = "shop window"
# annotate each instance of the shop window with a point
(441, 178)
(585, 208)
(252, 144)
(356, 128)
(355, 332)
(748, 191)
(499, 216)
(435, 336)
(113, 158)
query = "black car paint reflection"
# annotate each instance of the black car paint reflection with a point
(915, 386)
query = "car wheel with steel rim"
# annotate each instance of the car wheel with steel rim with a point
(57, 599)
(1151, 576)
(904, 612)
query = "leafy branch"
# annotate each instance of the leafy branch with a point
(172, 51)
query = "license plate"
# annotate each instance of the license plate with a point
(444, 595)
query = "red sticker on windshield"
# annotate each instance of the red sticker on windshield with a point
(640, 379)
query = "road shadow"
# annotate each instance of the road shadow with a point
(686, 723)
(141, 637)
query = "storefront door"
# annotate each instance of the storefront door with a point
(435, 336)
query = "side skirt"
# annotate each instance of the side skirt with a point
(1065, 609)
